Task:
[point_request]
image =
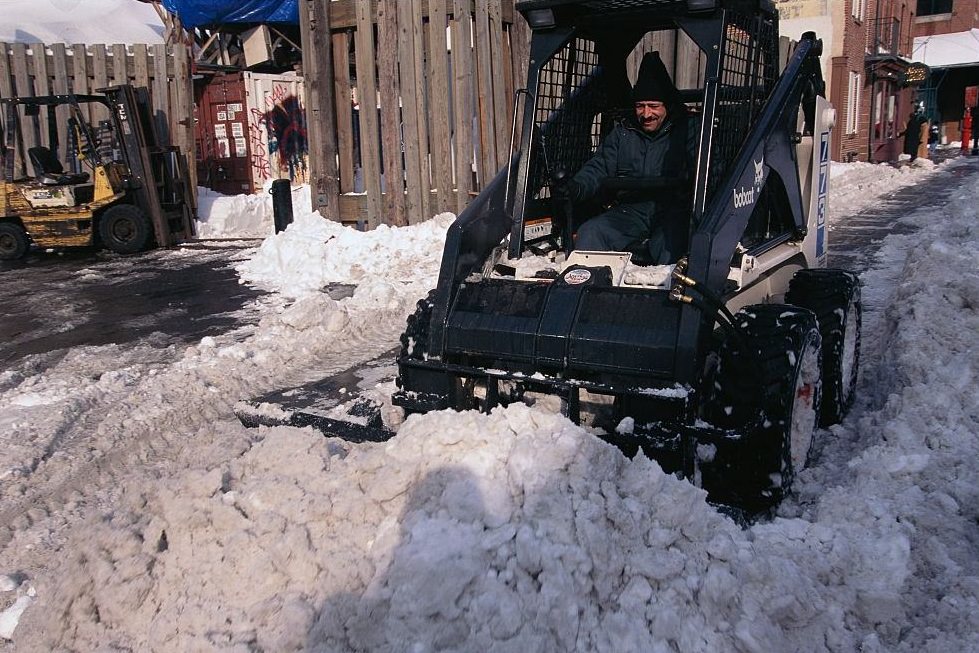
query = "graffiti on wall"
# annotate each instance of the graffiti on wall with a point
(286, 124)
(278, 137)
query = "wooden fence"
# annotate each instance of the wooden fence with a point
(441, 77)
(29, 70)
(444, 74)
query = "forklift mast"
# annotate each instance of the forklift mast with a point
(158, 174)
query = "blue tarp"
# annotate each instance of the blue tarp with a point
(195, 13)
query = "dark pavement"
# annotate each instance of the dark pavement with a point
(57, 301)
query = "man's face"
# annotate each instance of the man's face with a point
(650, 115)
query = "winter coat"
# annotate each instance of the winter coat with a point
(912, 133)
(661, 215)
(630, 152)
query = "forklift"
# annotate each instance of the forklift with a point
(126, 193)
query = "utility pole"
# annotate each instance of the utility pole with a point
(314, 25)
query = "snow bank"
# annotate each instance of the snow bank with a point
(313, 253)
(79, 21)
(516, 531)
(855, 186)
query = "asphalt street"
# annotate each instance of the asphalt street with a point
(55, 301)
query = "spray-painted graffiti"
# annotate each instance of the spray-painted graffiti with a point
(277, 136)
(261, 167)
(286, 124)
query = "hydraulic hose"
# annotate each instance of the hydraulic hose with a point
(711, 305)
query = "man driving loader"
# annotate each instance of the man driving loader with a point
(645, 164)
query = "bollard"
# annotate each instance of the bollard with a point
(281, 204)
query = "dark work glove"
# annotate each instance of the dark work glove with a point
(567, 190)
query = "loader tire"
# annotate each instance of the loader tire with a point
(125, 229)
(414, 340)
(767, 396)
(14, 241)
(834, 296)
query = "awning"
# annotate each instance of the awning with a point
(948, 50)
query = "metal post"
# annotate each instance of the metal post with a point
(281, 192)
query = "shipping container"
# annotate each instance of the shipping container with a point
(251, 128)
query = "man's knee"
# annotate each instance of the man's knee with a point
(595, 235)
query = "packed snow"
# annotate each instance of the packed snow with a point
(137, 514)
(80, 21)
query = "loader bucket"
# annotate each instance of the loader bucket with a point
(341, 405)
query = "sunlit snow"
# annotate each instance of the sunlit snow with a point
(165, 525)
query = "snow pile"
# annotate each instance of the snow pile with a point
(79, 21)
(313, 253)
(516, 531)
(855, 186)
(244, 216)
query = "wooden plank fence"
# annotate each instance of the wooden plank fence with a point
(434, 80)
(30, 70)
(434, 83)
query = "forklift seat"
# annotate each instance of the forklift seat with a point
(49, 171)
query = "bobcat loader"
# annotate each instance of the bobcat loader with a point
(720, 366)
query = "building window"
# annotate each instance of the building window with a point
(853, 103)
(932, 7)
(857, 8)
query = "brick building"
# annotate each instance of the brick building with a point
(947, 40)
(945, 16)
(866, 55)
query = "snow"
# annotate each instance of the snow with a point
(137, 514)
(80, 21)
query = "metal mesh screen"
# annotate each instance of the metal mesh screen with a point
(749, 70)
(567, 120)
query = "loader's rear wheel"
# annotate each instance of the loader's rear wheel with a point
(768, 394)
(834, 296)
(14, 241)
(125, 229)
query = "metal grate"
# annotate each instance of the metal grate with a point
(749, 70)
(567, 118)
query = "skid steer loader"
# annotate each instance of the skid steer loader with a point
(132, 194)
(721, 365)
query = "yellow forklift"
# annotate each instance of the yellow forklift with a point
(133, 194)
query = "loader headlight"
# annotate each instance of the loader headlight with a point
(541, 18)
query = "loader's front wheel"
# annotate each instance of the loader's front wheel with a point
(768, 395)
(14, 241)
(834, 296)
(125, 229)
(414, 340)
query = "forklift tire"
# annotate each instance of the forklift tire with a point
(14, 241)
(768, 396)
(834, 296)
(125, 229)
